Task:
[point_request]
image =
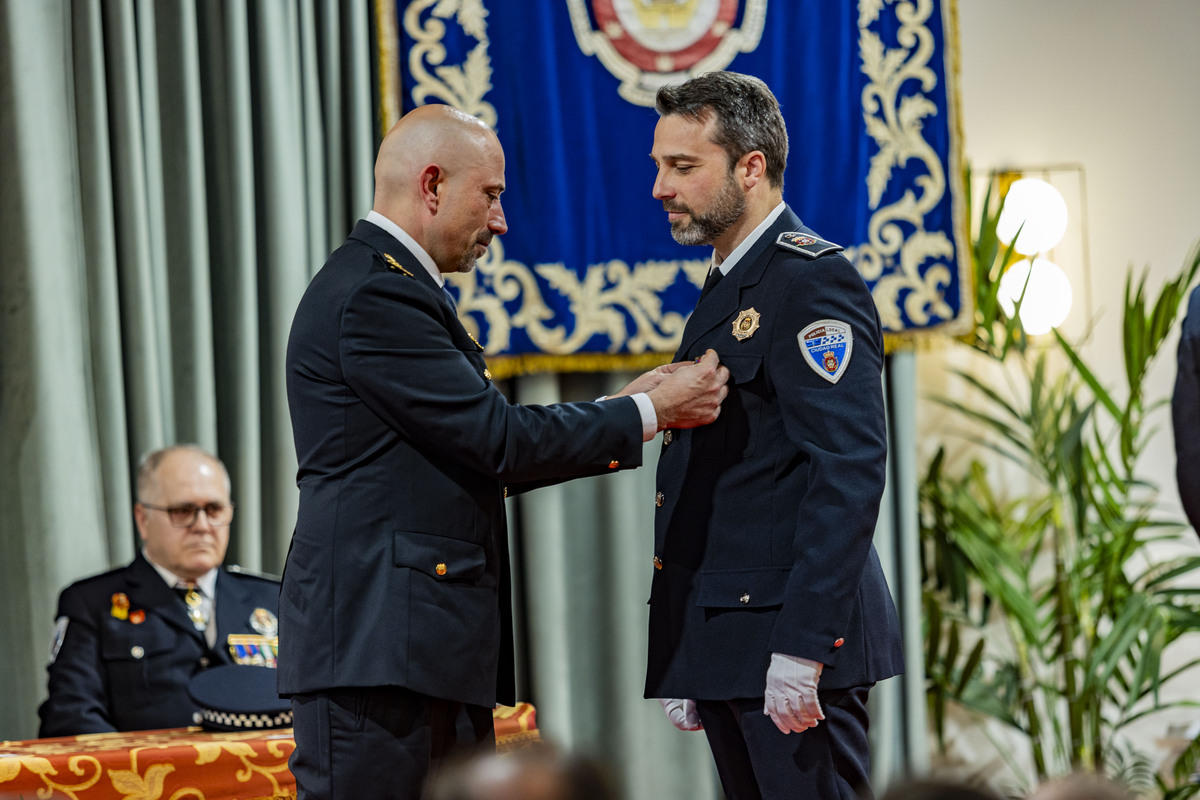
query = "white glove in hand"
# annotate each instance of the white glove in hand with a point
(682, 713)
(791, 696)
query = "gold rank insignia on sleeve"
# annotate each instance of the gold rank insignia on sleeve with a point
(393, 264)
(746, 324)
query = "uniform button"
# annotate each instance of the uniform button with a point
(137, 652)
(659, 498)
(440, 569)
(614, 464)
(745, 599)
(197, 717)
(657, 562)
(506, 491)
(840, 641)
(667, 437)
(204, 661)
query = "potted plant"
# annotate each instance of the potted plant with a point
(1048, 613)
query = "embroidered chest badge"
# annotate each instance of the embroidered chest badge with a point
(826, 345)
(797, 239)
(745, 324)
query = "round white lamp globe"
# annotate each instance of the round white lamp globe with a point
(1043, 211)
(1047, 297)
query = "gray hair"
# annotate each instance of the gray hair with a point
(147, 471)
(747, 116)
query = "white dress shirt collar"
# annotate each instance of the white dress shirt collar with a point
(728, 264)
(207, 582)
(409, 243)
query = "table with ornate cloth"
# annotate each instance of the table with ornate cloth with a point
(180, 763)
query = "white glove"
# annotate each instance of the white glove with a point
(682, 713)
(791, 696)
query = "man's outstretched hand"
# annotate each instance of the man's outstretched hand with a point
(688, 394)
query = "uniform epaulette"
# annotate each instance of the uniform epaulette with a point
(806, 244)
(394, 265)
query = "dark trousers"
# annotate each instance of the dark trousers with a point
(755, 761)
(379, 742)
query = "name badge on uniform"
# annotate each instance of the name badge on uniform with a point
(826, 345)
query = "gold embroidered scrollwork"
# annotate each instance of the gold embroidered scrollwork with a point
(465, 85)
(85, 767)
(602, 302)
(899, 264)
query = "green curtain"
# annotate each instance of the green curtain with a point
(173, 174)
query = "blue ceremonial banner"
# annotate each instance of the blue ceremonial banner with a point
(588, 276)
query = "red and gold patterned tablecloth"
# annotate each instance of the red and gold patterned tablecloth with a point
(180, 763)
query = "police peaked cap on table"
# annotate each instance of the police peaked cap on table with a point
(237, 697)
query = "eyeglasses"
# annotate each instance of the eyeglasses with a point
(184, 516)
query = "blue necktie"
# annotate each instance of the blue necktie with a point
(450, 297)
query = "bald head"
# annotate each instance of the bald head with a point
(434, 168)
(436, 135)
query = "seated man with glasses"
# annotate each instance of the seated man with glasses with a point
(127, 642)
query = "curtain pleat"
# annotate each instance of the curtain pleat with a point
(50, 489)
(110, 454)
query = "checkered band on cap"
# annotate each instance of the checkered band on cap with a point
(247, 721)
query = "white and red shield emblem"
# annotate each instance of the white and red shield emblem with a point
(648, 43)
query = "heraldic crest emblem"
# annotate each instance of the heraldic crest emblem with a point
(649, 43)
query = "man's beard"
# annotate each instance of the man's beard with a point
(467, 262)
(727, 208)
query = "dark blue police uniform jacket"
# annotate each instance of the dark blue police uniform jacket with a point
(398, 569)
(763, 534)
(127, 668)
(1185, 411)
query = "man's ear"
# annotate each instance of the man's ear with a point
(754, 168)
(139, 518)
(430, 181)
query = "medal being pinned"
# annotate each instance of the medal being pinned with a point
(826, 345)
